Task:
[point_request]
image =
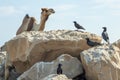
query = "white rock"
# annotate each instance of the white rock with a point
(28, 48)
(101, 63)
(71, 67)
(56, 77)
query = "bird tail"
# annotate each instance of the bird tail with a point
(108, 41)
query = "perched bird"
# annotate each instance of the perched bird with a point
(78, 26)
(59, 69)
(92, 43)
(105, 35)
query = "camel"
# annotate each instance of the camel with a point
(29, 23)
(44, 17)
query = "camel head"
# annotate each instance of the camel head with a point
(46, 12)
(44, 17)
(51, 11)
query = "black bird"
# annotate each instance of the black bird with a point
(105, 35)
(92, 43)
(78, 26)
(59, 69)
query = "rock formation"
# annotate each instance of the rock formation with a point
(117, 43)
(29, 23)
(2, 57)
(101, 63)
(30, 47)
(56, 77)
(35, 54)
(71, 67)
(2, 63)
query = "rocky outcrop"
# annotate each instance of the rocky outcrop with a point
(71, 67)
(2, 57)
(101, 63)
(30, 47)
(56, 77)
(2, 63)
(117, 43)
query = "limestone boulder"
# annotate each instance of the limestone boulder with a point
(56, 77)
(101, 62)
(2, 64)
(71, 67)
(2, 57)
(117, 43)
(27, 48)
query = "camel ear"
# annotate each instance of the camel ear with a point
(42, 9)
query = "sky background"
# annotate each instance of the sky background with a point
(91, 14)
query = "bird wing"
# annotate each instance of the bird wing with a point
(80, 26)
(105, 36)
(77, 25)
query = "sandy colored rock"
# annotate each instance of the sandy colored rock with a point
(71, 67)
(30, 47)
(2, 64)
(56, 77)
(60, 77)
(2, 57)
(117, 43)
(101, 63)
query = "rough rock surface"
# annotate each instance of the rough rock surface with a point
(56, 77)
(117, 43)
(102, 63)
(71, 67)
(2, 64)
(2, 57)
(30, 47)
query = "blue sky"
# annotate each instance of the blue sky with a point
(91, 14)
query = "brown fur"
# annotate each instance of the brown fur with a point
(30, 25)
(44, 17)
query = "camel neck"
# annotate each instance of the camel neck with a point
(42, 23)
